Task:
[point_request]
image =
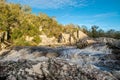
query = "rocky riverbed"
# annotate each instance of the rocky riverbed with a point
(95, 62)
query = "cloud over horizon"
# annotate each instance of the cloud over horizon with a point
(52, 4)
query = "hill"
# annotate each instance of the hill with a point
(18, 27)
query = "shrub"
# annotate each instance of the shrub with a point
(37, 39)
(21, 42)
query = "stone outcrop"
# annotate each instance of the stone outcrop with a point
(64, 38)
(47, 41)
(80, 35)
(3, 36)
(113, 44)
(110, 41)
(3, 40)
(37, 63)
(50, 69)
(82, 43)
(72, 37)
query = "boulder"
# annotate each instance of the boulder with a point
(91, 41)
(85, 42)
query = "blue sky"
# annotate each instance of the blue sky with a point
(104, 13)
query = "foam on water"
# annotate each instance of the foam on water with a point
(89, 56)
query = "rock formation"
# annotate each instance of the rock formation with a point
(64, 38)
(110, 41)
(72, 38)
(47, 41)
(113, 44)
(50, 69)
(82, 43)
(95, 62)
(4, 40)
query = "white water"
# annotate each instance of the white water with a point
(85, 57)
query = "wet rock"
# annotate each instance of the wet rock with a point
(52, 69)
(111, 42)
(52, 55)
(116, 74)
(30, 78)
(39, 54)
(63, 63)
(85, 42)
(11, 77)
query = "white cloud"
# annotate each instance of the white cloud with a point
(95, 16)
(54, 4)
(110, 14)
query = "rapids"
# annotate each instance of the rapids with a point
(92, 57)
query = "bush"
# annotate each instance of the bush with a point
(21, 42)
(37, 40)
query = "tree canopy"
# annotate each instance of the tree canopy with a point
(18, 22)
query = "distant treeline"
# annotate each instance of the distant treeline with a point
(19, 22)
(95, 32)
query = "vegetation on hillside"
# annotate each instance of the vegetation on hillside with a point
(18, 22)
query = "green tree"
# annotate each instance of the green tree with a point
(101, 33)
(110, 33)
(94, 31)
(26, 9)
(84, 29)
